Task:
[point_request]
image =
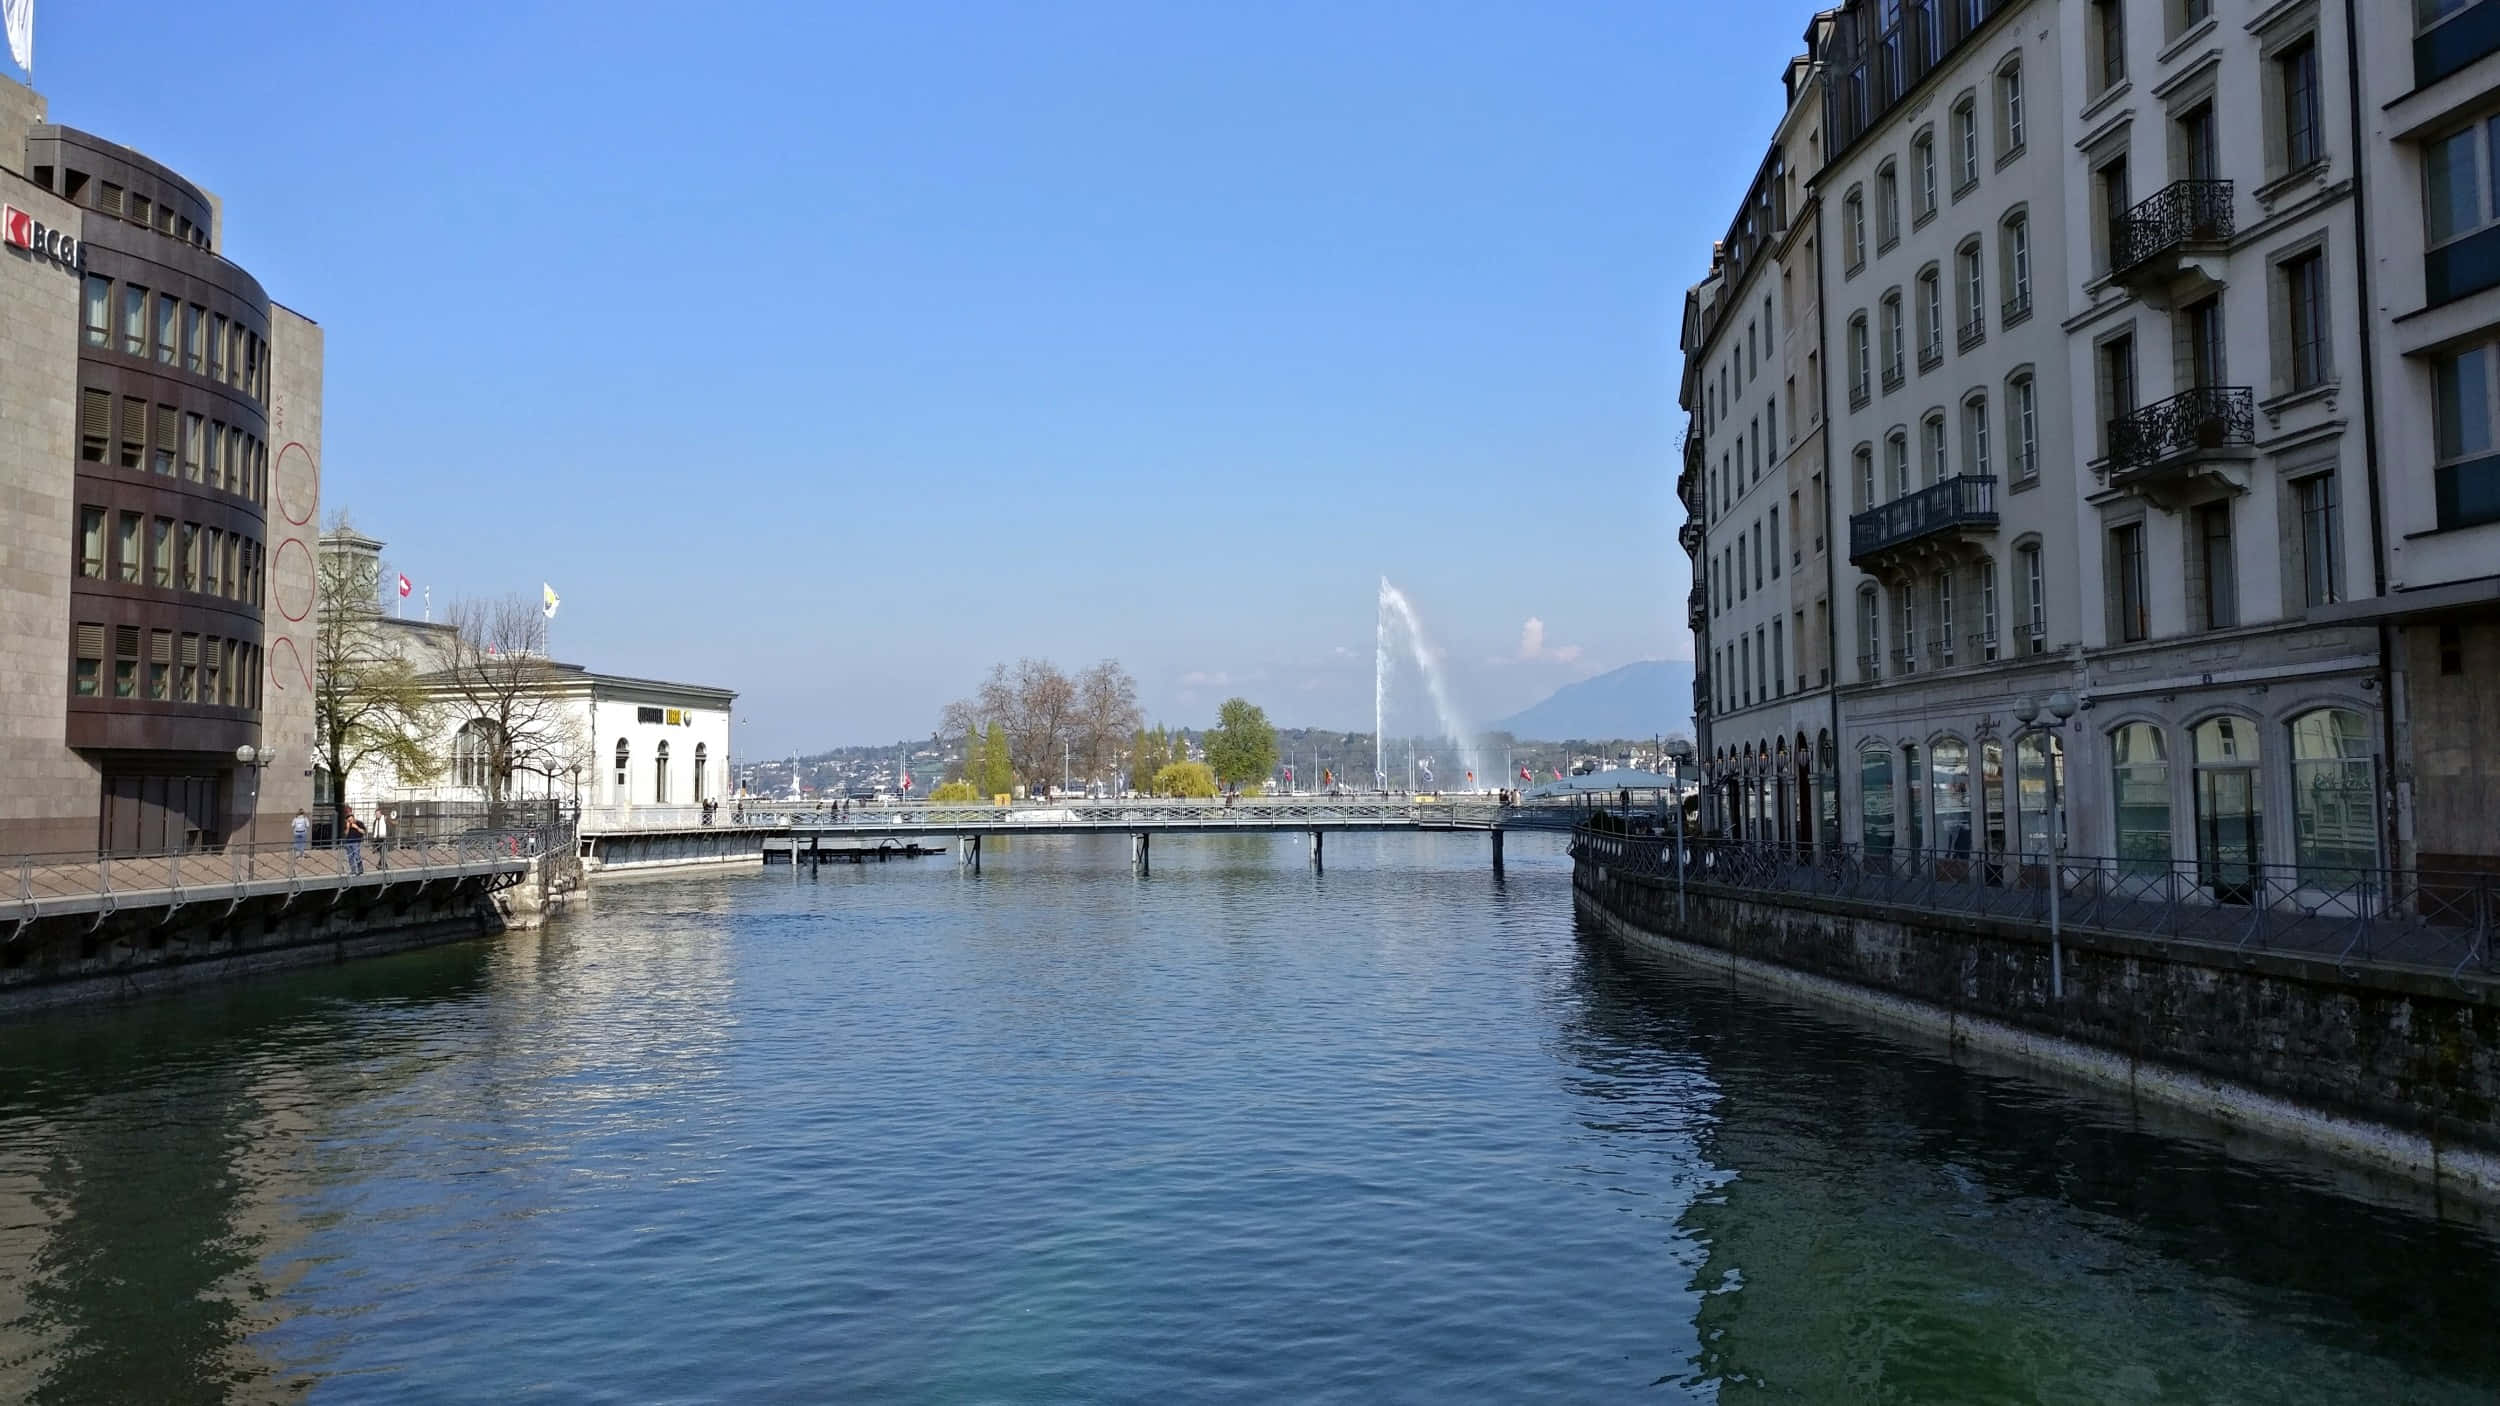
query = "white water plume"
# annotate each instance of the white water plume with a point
(1397, 616)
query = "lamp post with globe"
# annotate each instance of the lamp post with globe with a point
(2052, 757)
(258, 759)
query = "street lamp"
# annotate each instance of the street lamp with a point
(2061, 707)
(1675, 761)
(258, 759)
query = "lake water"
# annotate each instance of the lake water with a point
(1235, 1132)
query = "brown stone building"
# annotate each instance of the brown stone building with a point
(160, 450)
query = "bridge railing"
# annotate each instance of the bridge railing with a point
(2411, 918)
(39, 885)
(1248, 812)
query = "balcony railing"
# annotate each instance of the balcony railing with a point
(2194, 421)
(1930, 356)
(1893, 378)
(1905, 660)
(2017, 308)
(1858, 396)
(1983, 645)
(2179, 214)
(1973, 332)
(1957, 504)
(1870, 666)
(1697, 608)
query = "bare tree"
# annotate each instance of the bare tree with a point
(368, 700)
(499, 682)
(1107, 718)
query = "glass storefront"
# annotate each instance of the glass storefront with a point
(2334, 798)
(2139, 764)
(1950, 764)
(1875, 798)
(2230, 829)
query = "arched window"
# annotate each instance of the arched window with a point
(2334, 799)
(2014, 240)
(1864, 460)
(2022, 425)
(1914, 810)
(1897, 462)
(624, 755)
(659, 775)
(701, 785)
(1923, 171)
(1992, 795)
(1854, 220)
(2035, 755)
(2230, 828)
(2139, 766)
(1861, 379)
(1887, 206)
(1970, 286)
(1893, 344)
(1931, 446)
(1949, 763)
(473, 755)
(1930, 317)
(1875, 799)
(1986, 571)
(1975, 435)
(1870, 634)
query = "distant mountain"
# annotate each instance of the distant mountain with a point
(1637, 700)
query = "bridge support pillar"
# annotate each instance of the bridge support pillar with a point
(1319, 850)
(1497, 849)
(1141, 852)
(968, 853)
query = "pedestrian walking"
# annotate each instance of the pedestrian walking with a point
(302, 830)
(382, 837)
(354, 834)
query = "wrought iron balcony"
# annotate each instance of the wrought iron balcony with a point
(2017, 308)
(1930, 356)
(1932, 517)
(2144, 242)
(1893, 378)
(1983, 646)
(2182, 434)
(1905, 660)
(1973, 332)
(1870, 666)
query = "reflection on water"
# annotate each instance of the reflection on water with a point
(1397, 1130)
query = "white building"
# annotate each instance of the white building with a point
(631, 751)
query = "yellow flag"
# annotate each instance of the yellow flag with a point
(552, 601)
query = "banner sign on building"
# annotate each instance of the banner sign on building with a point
(24, 231)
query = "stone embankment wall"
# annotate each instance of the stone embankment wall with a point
(72, 959)
(2396, 1067)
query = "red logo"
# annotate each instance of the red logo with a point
(21, 228)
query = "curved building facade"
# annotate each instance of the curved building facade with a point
(162, 439)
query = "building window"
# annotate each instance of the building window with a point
(1965, 146)
(98, 316)
(2009, 110)
(1893, 374)
(2456, 195)
(2035, 602)
(2127, 581)
(191, 318)
(217, 347)
(126, 548)
(160, 663)
(1887, 208)
(2334, 799)
(624, 756)
(2321, 566)
(1906, 627)
(1897, 462)
(134, 436)
(1949, 765)
(2023, 427)
(1860, 382)
(1870, 635)
(2140, 787)
(1931, 446)
(2230, 829)
(1987, 609)
(2036, 755)
(2217, 569)
(1975, 435)
(2466, 483)
(87, 669)
(2015, 240)
(126, 661)
(134, 319)
(1923, 168)
(1875, 799)
(161, 553)
(1943, 606)
(168, 310)
(2117, 383)
(187, 559)
(2204, 338)
(473, 755)
(2296, 72)
(187, 670)
(1853, 213)
(91, 543)
(2109, 42)
(2304, 302)
(1775, 544)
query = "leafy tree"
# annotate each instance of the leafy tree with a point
(498, 681)
(998, 773)
(1148, 754)
(970, 768)
(1242, 746)
(956, 792)
(369, 702)
(1194, 779)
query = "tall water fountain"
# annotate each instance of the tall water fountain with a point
(1398, 622)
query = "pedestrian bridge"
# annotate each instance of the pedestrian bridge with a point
(806, 836)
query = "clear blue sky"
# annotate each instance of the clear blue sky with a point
(832, 352)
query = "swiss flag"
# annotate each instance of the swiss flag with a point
(404, 586)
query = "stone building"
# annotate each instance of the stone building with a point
(2157, 337)
(616, 744)
(1952, 441)
(1755, 492)
(162, 444)
(2429, 94)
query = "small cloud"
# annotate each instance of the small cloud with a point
(1343, 653)
(1532, 644)
(1199, 678)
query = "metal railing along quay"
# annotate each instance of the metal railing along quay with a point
(2420, 919)
(34, 886)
